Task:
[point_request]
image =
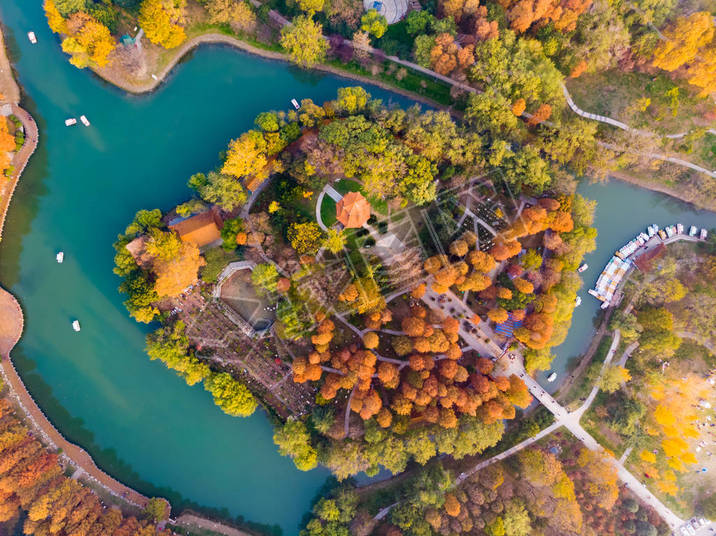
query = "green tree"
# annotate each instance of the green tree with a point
(305, 238)
(170, 345)
(232, 396)
(351, 100)
(222, 190)
(264, 277)
(156, 510)
(418, 185)
(418, 22)
(374, 23)
(613, 377)
(66, 7)
(491, 111)
(424, 45)
(229, 231)
(294, 440)
(303, 41)
(142, 296)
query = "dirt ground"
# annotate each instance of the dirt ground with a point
(8, 87)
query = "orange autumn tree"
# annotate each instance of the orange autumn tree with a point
(7, 144)
(444, 55)
(89, 42)
(175, 263)
(430, 384)
(523, 14)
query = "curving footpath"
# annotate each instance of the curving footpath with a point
(11, 327)
(20, 158)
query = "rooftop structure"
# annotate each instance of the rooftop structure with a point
(201, 229)
(353, 210)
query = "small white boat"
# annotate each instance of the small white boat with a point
(583, 267)
(693, 230)
(295, 104)
(578, 301)
(76, 325)
(703, 234)
(31, 36)
(679, 228)
(552, 377)
(70, 121)
(60, 257)
(84, 120)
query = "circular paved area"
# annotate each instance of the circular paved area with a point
(11, 322)
(392, 10)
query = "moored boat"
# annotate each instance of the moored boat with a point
(84, 120)
(583, 267)
(76, 325)
(578, 301)
(295, 104)
(32, 37)
(703, 234)
(693, 230)
(70, 121)
(552, 377)
(60, 257)
(679, 228)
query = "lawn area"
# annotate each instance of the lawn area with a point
(617, 95)
(328, 211)
(346, 185)
(216, 260)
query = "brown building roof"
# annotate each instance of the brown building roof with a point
(646, 259)
(353, 210)
(138, 249)
(201, 229)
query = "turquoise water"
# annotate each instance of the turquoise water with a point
(142, 424)
(623, 211)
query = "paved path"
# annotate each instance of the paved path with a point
(593, 393)
(627, 353)
(613, 122)
(191, 521)
(509, 452)
(71, 453)
(19, 159)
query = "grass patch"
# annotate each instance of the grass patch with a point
(216, 260)
(346, 185)
(328, 211)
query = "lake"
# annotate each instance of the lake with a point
(141, 423)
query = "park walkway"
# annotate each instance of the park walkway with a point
(19, 159)
(11, 326)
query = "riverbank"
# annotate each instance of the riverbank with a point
(661, 188)
(138, 86)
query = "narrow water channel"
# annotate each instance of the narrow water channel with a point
(140, 423)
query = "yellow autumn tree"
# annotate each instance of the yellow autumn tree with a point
(247, 156)
(173, 275)
(702, 71)
(161, 21)
(89, 42)
(54, 20)
(683, 39)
